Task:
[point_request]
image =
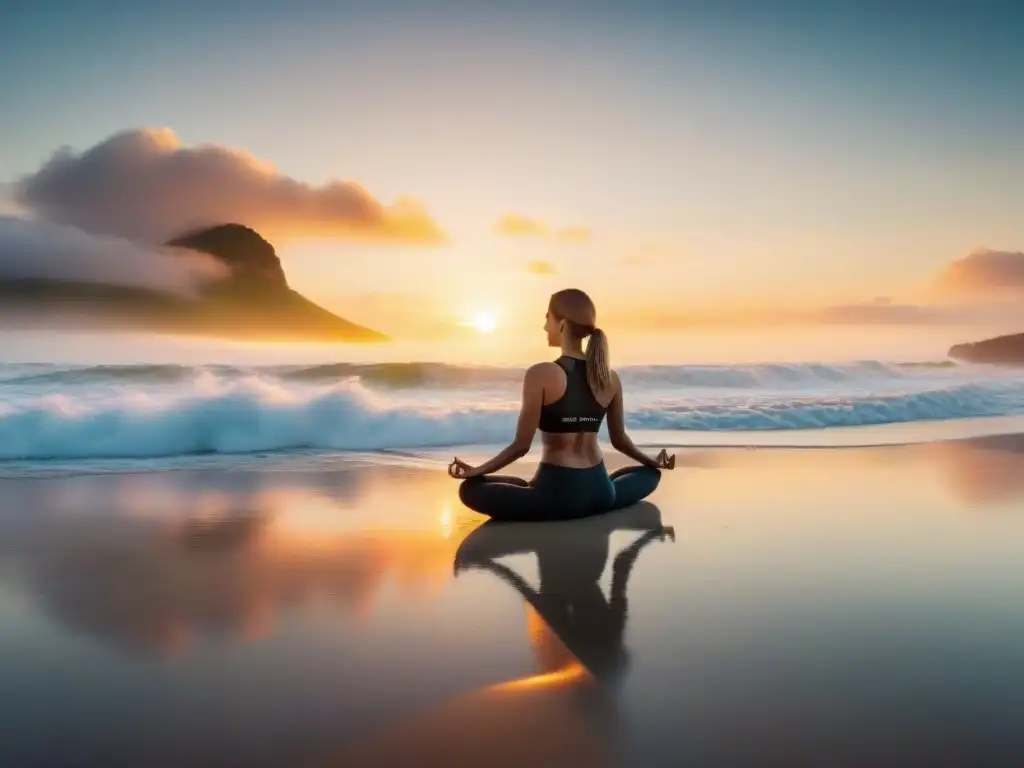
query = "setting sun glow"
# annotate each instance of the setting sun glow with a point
(484, 322)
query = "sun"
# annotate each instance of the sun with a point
(481, 322)
(484, 322)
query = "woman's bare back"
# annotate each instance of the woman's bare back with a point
(571, 449)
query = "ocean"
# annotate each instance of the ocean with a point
(81, 412)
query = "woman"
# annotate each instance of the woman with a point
(567, 400)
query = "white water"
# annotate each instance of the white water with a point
(58, 412)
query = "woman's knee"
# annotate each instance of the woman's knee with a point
(469, 491)
(646, 480)
(635, 485)
(639, 473)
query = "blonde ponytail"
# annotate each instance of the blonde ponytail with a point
(599, 372)
(577, 310)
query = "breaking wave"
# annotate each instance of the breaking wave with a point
(53, 412)
(443, 375)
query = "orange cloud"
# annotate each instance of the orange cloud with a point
(982, 273)
(575, 234)
(144, 185)
(542, 268)
(517, 225)
(514, 225)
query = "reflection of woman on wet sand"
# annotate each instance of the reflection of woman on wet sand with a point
(565, 717)
(571, 557)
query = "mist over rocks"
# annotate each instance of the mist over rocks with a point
(32, 249)
(244, 293)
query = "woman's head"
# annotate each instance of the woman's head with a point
(572, 317)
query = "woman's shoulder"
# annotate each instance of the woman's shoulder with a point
(547, 365)
(542, 371)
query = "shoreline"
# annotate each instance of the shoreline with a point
(1008, 428)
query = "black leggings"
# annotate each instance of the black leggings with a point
(558, 493)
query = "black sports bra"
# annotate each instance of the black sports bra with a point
(577, 410)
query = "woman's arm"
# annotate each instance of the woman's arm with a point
(617, 430)
(526, 428)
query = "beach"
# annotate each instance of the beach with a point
(796, 606)
(269, 271)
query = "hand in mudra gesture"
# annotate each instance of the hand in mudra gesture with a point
(665, 461)
(460, 470)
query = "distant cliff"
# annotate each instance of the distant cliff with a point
(1001, 350)
(255, 302)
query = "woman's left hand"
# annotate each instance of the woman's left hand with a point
(460, 470)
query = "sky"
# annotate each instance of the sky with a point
(418, 164)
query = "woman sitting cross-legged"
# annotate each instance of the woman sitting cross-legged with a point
(567, 401)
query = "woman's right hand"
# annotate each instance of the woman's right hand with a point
(460, 470)
(664, 461)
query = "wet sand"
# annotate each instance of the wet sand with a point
(784, 607)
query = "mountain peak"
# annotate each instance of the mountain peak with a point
(248, 255)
